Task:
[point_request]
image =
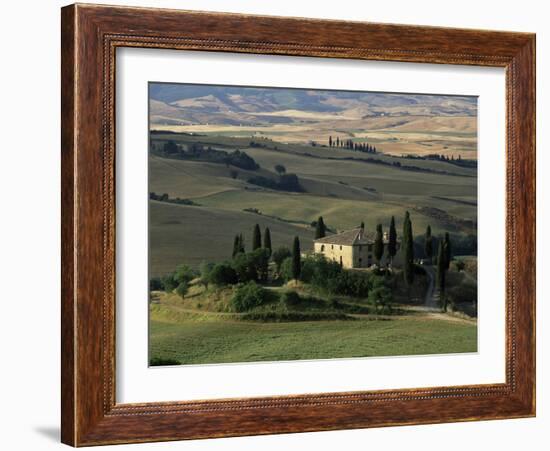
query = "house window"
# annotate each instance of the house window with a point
(332, 246)
(340, 247)
(370, 247)
(322, 248)
(360, 262)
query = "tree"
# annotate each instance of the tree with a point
(241, 244)
(280, 169)
(337, 141)
(259, 259)
(296, 259)
(279, 256)
(408, 250)
(380, 296)
(441, 270)
(170, 147)
(320, 228)
(392, 240)
(234, 173)
(330, 141)
(223, 274)
(248, 296)
(447, 251)
(267, 240)
(256, 238)
(236, 245)
(428, 244)
(205, 269)
(169, 283)
(181, 289)
(184, 274)
(379, 244)
(245, 267)
(362, 225)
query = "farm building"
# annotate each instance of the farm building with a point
(353, 248)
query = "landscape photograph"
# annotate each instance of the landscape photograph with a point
(296, 224)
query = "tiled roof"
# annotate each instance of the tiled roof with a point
(349, 238)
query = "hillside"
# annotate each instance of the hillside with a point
(404, 123)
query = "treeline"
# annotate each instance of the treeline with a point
(284, 182)
(459, 161)
(351, 145)
(177, 200)
(199, 152)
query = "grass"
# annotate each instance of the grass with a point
(186, 234)
(189, 341)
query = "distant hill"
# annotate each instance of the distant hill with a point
(203, 104)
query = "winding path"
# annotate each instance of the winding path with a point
(431, 301)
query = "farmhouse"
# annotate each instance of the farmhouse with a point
(353, 248)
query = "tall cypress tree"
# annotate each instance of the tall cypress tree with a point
(256, 238)
(267, 240)
(447, 250)
(392, 240)
(236, 245)
(379, 244)
(441, 270)
(296, 259)
(241, 243)
(408, 250)
(362, 225)
(428, 243)
(320, 228)
(330, 141)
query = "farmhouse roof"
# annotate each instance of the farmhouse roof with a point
(351, 237)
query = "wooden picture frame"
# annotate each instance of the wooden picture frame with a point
(90, 36)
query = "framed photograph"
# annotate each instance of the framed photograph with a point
(278, 225)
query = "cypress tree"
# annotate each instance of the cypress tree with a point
(320, 228)
(267, 240)
(296, 259)
(236, 245)
(392, 240)
(441, 270)
(428, 244)
(447, 251)
(337, 141)
(408, 250)
(241, 244)
(256, 238)
(330, 141)
(379, 244)
(362, 225)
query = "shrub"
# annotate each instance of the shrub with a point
(381, 296)
(205, 270)
(289, 298)
(169, 283)
(245, 267)
(223, 274)
(286, 269)
(248, 296)
(155, 284)
(279, 256)
(184, 274)
(459, 265)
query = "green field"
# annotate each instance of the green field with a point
(345, 192)
(192, 341)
